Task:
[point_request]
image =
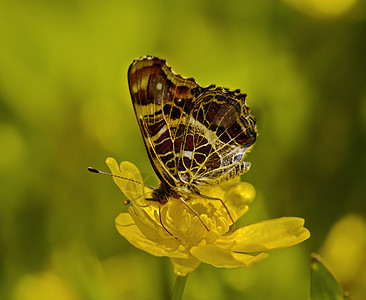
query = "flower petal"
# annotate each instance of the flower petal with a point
(131, 184)
(225, 258)
(183, 266)
(269, 235)
(155, 232)
(239, 196)
(129, 171)
(128, 229)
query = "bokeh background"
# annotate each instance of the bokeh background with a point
(65, 105)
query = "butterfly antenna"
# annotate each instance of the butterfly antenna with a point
(93, 170)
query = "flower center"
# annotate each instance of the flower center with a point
(188, 224)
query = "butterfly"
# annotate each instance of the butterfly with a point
(194, 136)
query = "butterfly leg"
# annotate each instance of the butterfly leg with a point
(192, 210)
(224, 205)
(162, 224)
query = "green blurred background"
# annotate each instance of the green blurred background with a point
(65, 105)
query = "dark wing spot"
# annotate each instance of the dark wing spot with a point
(200, 116)
(164, 147)
(187, 162)
(165, 158)
(200, 158)
(170, 164)
(205, 149)
(212, 111)
(189, 146)
(182, 89)
(163, 136)
(222, 134)
(242, 138)
(175, 113)
(178, 144)
(234, 130)
(166, 109)
(213, 162)
(154, 128)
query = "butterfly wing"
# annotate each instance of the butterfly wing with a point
(222, 130)
(193, 135)
(162, 102)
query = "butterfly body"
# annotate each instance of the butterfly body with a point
(194, 136)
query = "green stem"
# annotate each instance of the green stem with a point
(179, 286)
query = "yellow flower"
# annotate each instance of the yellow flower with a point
(173, 230)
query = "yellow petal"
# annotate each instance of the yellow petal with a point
(184, 266)
(225, 258)
(155, 232)
(128, 229)
(129, 171)
(269, 235)
(239, 197)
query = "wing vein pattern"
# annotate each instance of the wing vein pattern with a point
(193, 135)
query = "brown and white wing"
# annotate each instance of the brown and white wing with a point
(162, 101)
(219, 131)
(193, 135)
